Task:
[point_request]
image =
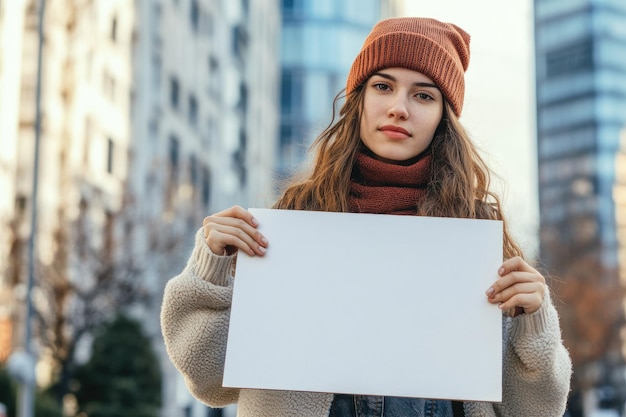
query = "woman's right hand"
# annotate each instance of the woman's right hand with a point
(233, 229)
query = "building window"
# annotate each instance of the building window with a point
(292, 8)
(240, 41)
(110, 154)
(291, 92)
(239, 158)
(153, 128)
(156, 70)
(193, 170)
(114, 29)
(193, 110)
(211, 132)
(108, 85)
(194, 15)
(206, 186)
(243, 98)
(214, 77)
(570, 59)
(243, 141)
(109, 241)
(174, 93)
(286, 133)
(20, 203)
(285, 91)
(174, 151)
(214, 64)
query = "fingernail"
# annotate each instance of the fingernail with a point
(264, 240)
(490, 291)
(501, 271)
(261, 249)
(255, 221)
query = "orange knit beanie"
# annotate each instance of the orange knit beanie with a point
(436, 49)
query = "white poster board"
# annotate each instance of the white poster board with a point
(368, 304)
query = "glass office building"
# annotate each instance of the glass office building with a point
(581, 113)
(320, 39)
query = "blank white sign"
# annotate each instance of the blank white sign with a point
(368, 304)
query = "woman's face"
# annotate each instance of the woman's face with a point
(401, 111)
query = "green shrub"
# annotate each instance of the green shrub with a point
(123, 376)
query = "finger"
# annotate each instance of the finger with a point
(238, 213)
(516, 263)
(247, 237)
(513, 270)
(529, 302)
(234, 226)
(514, 277)
(253, 238)
(518, 288)
(219, 243)
(216, 221)
(225, 239)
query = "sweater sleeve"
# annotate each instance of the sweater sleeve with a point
(537, 368)
(194, 321)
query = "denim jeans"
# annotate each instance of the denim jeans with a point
(345, 405)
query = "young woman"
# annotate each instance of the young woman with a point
(397, 148)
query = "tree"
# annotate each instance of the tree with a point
(123, 376)
(7, 392)
(97, 270)
(589, 297)
(45, 405)
(92, 280)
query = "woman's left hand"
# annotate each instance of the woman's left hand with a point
(520, 287)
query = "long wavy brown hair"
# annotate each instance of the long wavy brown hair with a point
(458, 187)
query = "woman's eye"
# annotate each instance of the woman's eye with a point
(382, 87)
(424, 96)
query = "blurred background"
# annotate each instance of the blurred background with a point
(124, 123)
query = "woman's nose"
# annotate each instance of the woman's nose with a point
(398, 108)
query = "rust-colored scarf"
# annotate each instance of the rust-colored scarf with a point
(384, 188)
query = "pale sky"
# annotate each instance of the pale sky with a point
(499, 98)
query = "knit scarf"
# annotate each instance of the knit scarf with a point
(385, 188)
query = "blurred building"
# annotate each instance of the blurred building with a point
(11, 38)
(155, 114)
(581, 110)
(205, 126)
(320, 40)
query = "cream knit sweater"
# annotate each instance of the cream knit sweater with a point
(195, 316)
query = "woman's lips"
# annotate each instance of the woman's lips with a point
(394, 132)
